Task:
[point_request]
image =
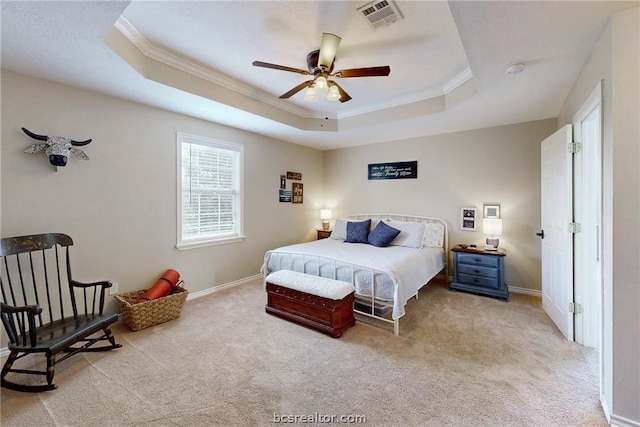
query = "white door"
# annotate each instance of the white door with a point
(587, 211)
(557, 240)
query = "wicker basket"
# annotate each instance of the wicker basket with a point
(153, 312)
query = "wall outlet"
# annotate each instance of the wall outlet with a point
(114, 288)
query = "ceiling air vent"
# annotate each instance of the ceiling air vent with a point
(380, 13)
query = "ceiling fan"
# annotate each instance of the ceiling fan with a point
(320, 65)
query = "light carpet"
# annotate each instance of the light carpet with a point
(460, 360)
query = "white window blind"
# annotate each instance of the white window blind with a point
(210, 198)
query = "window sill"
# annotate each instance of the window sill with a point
(205, 243)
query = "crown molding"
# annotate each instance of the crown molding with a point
(171, 59)
(156, 53)
(424, 95)
(394, 102)
(457, 81)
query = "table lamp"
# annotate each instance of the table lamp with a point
(492, 227)
(325, 216)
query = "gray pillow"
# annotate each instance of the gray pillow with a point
(339, 230)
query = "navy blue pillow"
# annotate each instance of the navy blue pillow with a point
(382, 235)
(358, 232)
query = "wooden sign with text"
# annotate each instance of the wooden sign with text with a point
(396, 170)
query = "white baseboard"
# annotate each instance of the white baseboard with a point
(218, 288)
(605, 408)
(618, 421)
(526, 291)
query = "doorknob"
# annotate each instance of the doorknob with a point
(541, 234)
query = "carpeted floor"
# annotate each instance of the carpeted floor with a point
(461, 360)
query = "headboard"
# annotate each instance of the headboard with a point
(408, 218)
(413, 218)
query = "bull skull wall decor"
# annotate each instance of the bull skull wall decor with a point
(57, 148)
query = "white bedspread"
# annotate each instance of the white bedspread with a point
(398, 272)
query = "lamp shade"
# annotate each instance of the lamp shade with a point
(492, 227)
(325, 216)
(311, 95)
(334, 93)
(321, 84)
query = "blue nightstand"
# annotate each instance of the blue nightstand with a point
(479, 272)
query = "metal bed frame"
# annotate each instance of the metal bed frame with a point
(371, 300)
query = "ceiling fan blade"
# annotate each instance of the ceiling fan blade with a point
(328, 50)
(364, 72)
(296, 89)
(344, 96)
(280, 67)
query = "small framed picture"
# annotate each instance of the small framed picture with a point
(468, 219)
(297, 191)
(492, 211)
(284, 196)
(296, 176)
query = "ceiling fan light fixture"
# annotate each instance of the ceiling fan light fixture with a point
(311, 95)
(320, 65)
(334, 94)
(320, 84)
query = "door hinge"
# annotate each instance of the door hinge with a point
(575, 147)
(575, 227)
(575, 308)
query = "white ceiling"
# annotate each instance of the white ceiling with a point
(447, 61)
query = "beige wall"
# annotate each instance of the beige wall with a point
(499, 165)
(615, 62)
(120, 206)
(626, 214)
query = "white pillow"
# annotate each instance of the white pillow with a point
(411, 234)
(434, 235)
(339, 230)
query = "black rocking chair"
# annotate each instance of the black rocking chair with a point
(44, 310)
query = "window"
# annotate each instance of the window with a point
(209, 192)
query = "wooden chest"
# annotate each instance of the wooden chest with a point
(327, 315)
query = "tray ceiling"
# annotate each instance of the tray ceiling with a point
(447, 61)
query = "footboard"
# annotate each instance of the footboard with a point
(376, 290)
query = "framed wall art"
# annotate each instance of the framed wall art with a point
(492, 211)
(297, 192)
(284, 196)
(468, 219)
(296, 176)
(395, 170)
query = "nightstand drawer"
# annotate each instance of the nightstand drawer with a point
(486, 260)
(323, 234)
(477, 270)
(484, 282)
